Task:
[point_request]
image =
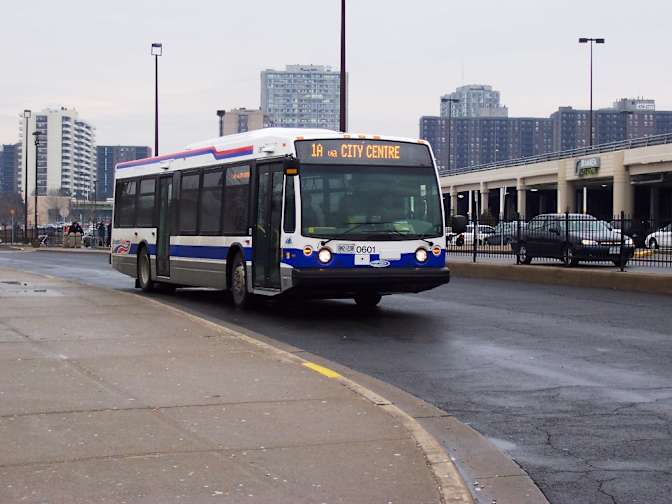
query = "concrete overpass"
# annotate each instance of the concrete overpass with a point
(634, 177)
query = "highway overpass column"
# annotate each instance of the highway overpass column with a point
(522, 198)
(484, 198)
(624, 191)
(453, 201)
(566, 193)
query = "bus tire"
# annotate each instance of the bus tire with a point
(238, 284)
(145, 281)
(367, 299)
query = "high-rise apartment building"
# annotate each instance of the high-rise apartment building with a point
(474, 100)
(9, 168)
(301, 96)
(108, 156)
(241, 120)
(479, 140)
(66, 157)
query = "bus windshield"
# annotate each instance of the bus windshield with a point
(370, 202)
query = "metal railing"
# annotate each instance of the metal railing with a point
(634, 143)
(569, 238)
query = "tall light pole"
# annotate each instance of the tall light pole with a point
(157, 50)
(585, 40)
(221, 114)
(450, 102)
(36, 134)
(343, 83)
(26, 115)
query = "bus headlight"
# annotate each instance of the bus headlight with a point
(421, 255)
(324, 255)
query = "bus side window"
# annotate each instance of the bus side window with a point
(125, 211)
(236, 200)
(145, 212)
(211, 202)
(289, 225)
(188, 203)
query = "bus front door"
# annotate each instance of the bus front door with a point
(266, 239)
(163, 238)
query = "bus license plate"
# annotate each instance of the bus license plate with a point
(615, 250)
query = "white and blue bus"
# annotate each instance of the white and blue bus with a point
(313, 213)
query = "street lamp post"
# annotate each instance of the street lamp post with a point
(36, 134)
(585, 40)
(157, 50)
(221, 114)
(450, 102)
(26, 115)
(343, 83)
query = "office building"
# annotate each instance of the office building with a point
(301, 96)
(9, 168)
(66, 158)
(108, 156)
(474, 100)
(241, 120)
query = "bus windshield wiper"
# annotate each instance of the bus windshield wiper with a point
(350, 230)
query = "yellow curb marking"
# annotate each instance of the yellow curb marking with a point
(322, 370)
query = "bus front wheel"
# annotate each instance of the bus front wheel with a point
(367, 299)
(241, 297)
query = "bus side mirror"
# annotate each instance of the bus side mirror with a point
(458, 224)
(290, 167)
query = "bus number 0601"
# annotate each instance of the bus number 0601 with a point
(365, 249)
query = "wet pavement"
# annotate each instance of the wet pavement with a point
(574, 384)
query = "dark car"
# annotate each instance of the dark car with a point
(572, 238)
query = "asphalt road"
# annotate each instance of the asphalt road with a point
(574, 384)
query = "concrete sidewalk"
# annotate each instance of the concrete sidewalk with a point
(112, 397)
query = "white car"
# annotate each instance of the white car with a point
(467, 238)
(660, 239)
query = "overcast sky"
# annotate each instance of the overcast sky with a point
(402, 55)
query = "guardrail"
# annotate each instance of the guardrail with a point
(570, 238)
(635, 143)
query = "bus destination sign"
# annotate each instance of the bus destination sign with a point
(365, 152)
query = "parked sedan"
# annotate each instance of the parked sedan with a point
(660, 239)
(572, 238)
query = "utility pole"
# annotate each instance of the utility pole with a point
(26, 115)
(36, 134)
(584, 40)
(220, 114)
(157, 50)
(343, 118)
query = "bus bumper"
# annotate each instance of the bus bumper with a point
(347, 282)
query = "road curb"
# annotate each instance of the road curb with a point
(574, 277)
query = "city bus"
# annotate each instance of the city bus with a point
(291, 212)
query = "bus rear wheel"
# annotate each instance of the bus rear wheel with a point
(367, 299)
(241, 297)
(145, 281)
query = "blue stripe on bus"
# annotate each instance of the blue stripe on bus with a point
(299, 260)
